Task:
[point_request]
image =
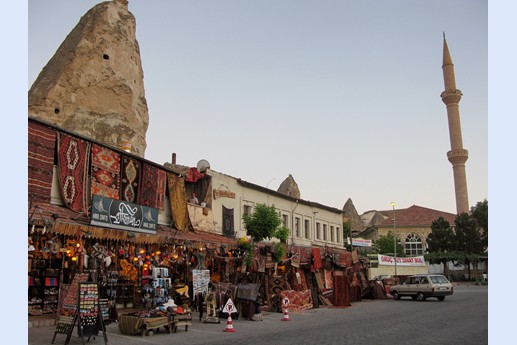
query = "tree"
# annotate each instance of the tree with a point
(440, 242)
(384, 245)
(262, 223)
(468, 238)
(480, 214)
(441, 238)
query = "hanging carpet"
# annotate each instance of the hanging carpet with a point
(316, 255)
(73, 158)
(178, 201)
(130, 179)
(105, 172)
(276, 284)
(148, 190)
(228, 230)
(42, 145)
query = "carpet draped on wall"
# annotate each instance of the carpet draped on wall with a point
(42, 145)
(130, 179)
(105, 172)
(228, 230)
(73, 158)
(152, 187)
(178, 201)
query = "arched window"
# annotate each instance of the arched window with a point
(413, 245)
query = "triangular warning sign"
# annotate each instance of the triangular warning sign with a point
(229, 307)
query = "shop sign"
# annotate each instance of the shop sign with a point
(357, 242)
(404, 261)
(223, 194)
(123, 215)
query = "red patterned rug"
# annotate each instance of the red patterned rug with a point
(73, 155)
(151, 193)
(130, 179)
(316, 255)
(42, 146)
(276, 284)
(160, 185)
(105, 172)
(298, 300)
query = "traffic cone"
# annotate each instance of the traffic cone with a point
(229, 324)
(286, 315)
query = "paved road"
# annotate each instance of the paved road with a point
(460, 319)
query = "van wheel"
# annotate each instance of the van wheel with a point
(441, 298)
(420, 296)
(395, 295)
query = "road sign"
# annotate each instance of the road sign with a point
(286, 301)
(229, 307)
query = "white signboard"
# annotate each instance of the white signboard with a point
(200, 280)
(229, 307)
(358, 242)
(409, 261)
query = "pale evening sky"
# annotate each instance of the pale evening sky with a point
(343, 95)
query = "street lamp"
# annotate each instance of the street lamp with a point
(394, 237)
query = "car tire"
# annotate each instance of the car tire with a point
(395, 295)
(420, 296)
(441, 298)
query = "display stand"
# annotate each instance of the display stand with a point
(86, 312)
(68, 308)
(89, 318)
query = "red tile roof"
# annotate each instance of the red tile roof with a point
(415, 216)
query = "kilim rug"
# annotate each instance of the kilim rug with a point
(316, 255)
(105, 172)
(328, 279)
(73, 157)
(228, 230)
(148, 186)
(298, 300)
(178, 201)
(130, 179)
(161, 184)
(276, 284)
(42, 146)
(299, 281)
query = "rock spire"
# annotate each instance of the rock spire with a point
(94, 83)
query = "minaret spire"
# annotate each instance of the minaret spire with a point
(457, 155)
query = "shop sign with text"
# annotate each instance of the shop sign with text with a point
(123, 215)
(357, 242)
(404, 261)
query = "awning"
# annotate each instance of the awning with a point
(64, 221)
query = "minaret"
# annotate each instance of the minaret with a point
(457, 155)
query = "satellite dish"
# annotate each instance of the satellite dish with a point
(202, 165)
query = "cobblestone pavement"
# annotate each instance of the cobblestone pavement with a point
(461, 319)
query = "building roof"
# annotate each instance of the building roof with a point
(415, 216)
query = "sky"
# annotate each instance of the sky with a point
(342, 95)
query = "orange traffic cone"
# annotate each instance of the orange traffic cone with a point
(229, 324)
(286, 315)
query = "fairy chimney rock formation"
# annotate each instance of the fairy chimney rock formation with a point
(350, 213)
(94, 83)
(289, 187)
